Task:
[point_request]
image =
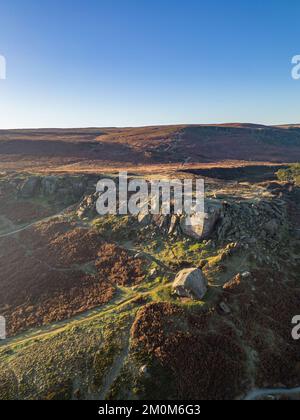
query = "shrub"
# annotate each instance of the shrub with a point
(290, 174)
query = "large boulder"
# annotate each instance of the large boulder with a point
(190, 283)
(200, 226)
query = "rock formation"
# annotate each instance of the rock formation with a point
(190, 283)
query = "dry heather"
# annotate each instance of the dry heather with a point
(116, 265)
(236, 339)
(58, 273)
(205, 363)
(210, 355)
(24, 212)
(266, 306)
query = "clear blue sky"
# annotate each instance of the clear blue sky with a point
(74, 63)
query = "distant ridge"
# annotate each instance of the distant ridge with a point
(152, 145)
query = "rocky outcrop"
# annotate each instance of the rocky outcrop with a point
(198, 226)
(201, 226)
(59, 188)
(30, 187)
(250, 222)
(49, 185)
(87, 207)
(190, 283)
(173, 224)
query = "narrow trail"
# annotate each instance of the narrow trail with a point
(151, 258)
(81, 318)
(46, 219)
(60, 326)
(114, 372)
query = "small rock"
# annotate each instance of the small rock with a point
(153, 271)
(144, 370)
(173, 224)
(225, 308)
(246, 274)
(77, 394)
(270, 398)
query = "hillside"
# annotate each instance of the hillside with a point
(55, 148)
(90, 307)
(89, 301)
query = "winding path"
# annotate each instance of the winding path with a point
(46, 219)
(59, 326)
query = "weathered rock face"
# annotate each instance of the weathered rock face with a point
(161, 221)
(60, 188)
(49, 185)
(87, 207)
(173, 224)
(63, 187)
(201, 226)
(30, 188)
(168, 224)
(198, 226)
(190, 283)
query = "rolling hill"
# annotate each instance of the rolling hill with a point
(149, 145)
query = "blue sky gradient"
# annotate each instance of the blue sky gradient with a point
(128, 62)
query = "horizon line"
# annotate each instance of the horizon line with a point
(220, 124)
